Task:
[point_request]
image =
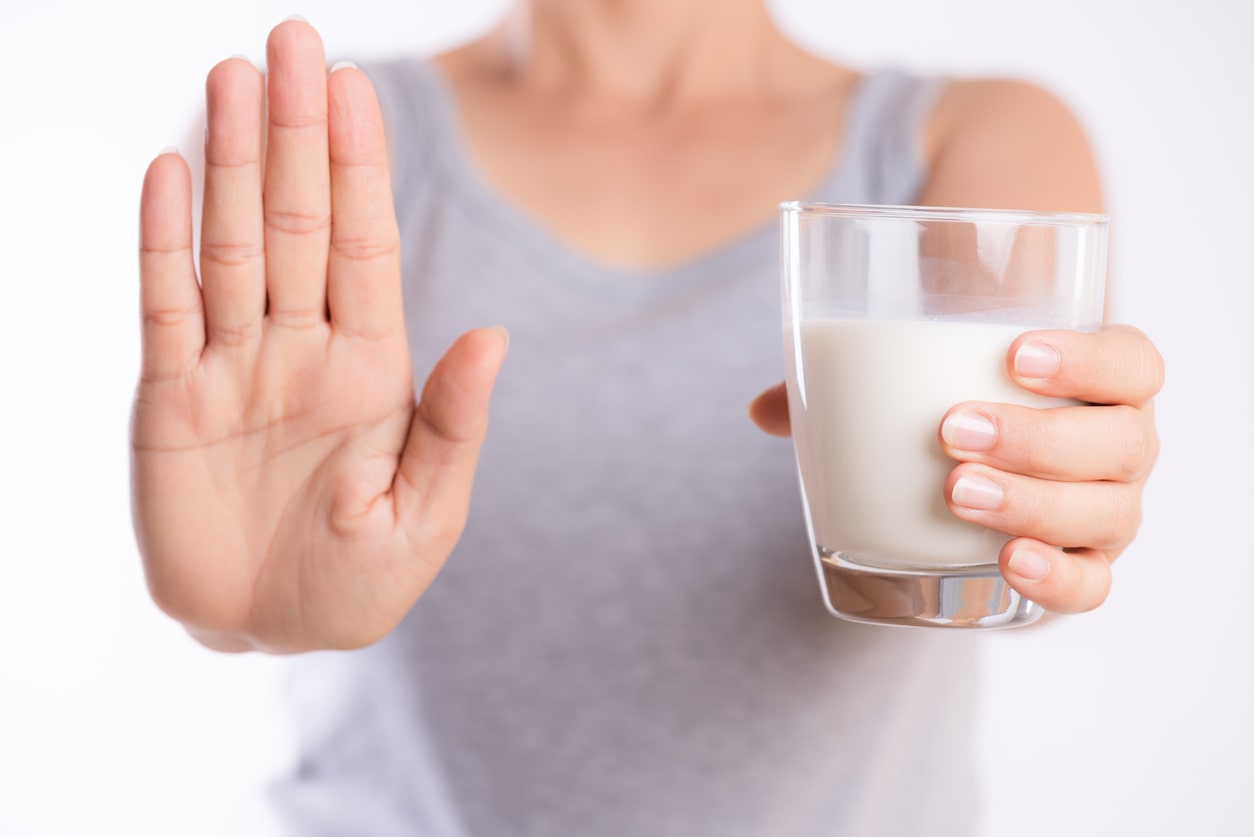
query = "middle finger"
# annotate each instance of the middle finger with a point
(298, 177)
(1072, 444)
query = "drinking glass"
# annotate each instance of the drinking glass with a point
(892, 315)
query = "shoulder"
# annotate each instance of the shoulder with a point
(1008, 143)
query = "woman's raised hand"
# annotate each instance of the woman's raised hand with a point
(288, 493)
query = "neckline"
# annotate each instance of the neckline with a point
(491, 206)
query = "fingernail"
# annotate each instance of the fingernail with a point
(504, 332)
(968, 431)
(1037, 360)
(1029, 564)
(169, 149)
(341, 65)
(294, 17)
(975, 492)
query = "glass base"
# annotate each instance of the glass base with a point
(970, 597)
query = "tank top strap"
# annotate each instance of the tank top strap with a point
(881, 160)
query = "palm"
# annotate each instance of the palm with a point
(288, 493)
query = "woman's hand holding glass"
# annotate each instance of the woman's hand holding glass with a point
(1069, 477)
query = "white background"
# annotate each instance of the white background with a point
(1131, 720)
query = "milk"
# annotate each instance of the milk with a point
(866, 403)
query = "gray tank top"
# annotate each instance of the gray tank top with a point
(629, 638)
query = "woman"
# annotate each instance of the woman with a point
(630, 640)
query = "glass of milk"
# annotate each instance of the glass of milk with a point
(892, 315)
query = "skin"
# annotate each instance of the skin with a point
(285, 501)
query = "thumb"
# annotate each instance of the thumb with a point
(437, 466)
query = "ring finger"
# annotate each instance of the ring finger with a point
(231, 247)
(1096, 515)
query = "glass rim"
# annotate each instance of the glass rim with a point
(945, 213)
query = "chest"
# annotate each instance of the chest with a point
(643, 189)
(618, 427)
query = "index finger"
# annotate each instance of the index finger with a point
(1117, 365)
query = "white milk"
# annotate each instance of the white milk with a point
(866, 410)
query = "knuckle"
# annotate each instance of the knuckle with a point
(1097, 586)
(1152, 443)
(236, 334)
(1089, 583)
(295, 223)
(231, 254)
(1122, 519)
(223, 156)
(297, 319)
(163, 250)
(1137, 444)
(157, 369)
(312, 122)
(170, 317)
(1155, 369)
(1137, 359)
(364, 249)
(444, 427)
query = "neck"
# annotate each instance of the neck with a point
(648, 52)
